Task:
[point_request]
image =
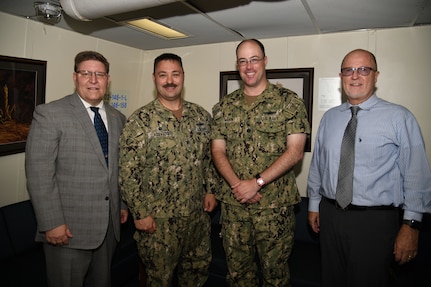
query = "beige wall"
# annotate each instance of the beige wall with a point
(402, 55)
(29, 39)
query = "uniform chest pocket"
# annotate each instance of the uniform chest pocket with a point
(234, 129)
(202, 129)
(271, 128)
(162, 146)
(271, 137)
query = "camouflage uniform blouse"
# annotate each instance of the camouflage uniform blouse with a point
(256, 136)
(165, 163)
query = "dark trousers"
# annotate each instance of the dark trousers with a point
(357, 245)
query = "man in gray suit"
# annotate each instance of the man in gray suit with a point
(72, 184)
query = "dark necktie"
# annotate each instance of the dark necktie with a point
(101, 132)
(344, 193)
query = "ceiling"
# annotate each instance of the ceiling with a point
(216, 21)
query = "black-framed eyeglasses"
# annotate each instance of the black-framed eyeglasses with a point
(89, 74)
(363, 71)
(253, 61)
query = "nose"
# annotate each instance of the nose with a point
(93, 77)
(355, 74)
(169, 79)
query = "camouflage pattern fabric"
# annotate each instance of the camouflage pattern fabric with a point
(256, 136)
(189, 247)
(267, 231)
(166, 171)
(165, 164)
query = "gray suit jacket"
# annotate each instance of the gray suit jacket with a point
(67, 177)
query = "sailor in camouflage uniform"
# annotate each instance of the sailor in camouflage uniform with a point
(166, 178)
(259, 135)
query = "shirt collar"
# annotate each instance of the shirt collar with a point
(364, 105)
(101, 105)
(266, 94)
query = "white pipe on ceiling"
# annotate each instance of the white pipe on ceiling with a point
(87, 10)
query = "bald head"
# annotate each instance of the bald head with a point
(364, 53)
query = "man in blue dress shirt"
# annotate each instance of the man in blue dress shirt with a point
(391, 170)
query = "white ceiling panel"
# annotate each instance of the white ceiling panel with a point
(233, 20)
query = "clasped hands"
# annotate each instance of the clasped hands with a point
(246, 191)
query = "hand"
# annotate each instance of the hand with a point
(210, 202)
(406, 244)
(59, 235)
(148, 224)
(255, 199)
(314, 221)
(245, 190)
(123, 215)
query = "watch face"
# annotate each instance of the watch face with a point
(260, 182)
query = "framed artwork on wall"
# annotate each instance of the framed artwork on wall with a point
(22, 88)
(298, 80)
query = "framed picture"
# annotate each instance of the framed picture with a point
(298, 80)
(22, 87)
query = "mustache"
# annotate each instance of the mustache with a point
(170, 86)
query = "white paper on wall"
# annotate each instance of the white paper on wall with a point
(329, 93)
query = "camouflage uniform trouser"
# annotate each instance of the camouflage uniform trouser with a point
(269, 232)
(181, 243)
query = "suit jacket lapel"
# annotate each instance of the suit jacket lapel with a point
(88, 127)
(113, 134)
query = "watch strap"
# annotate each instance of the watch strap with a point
(413, 223)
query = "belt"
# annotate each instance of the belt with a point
(359, 207)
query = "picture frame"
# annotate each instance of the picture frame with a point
(299, 80)
(22, 88)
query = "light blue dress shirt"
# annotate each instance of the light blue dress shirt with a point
(391, 165)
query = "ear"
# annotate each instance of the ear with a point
(377, 73)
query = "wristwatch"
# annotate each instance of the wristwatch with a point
(259, 180)
(413, 223)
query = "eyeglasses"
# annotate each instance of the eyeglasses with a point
(88, 74)
(253, 61)
(363, 71)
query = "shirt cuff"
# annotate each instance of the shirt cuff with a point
(411, 215)
(313, 204)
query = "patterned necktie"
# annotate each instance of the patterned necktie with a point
(101, 132)
(344, 193)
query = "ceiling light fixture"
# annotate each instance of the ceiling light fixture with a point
(156, 28)
(48, 12)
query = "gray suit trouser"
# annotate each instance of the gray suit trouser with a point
(67, 267)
